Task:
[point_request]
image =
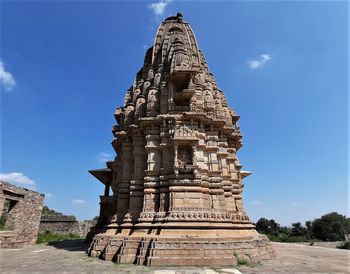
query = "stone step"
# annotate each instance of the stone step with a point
(143, 251)
(181, 261)
(126, 259)
(128, 244)
(128, 251)
(191, 252)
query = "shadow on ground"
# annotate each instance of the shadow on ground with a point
(71, 245)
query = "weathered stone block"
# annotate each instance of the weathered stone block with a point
(22, 215)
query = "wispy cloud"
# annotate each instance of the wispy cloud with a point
(78, 201)
(18, 179)
(296, 204)
(48, 195)
(104, 157)
(6, 78)
(257, 203)
(260, 62)
(159, 7)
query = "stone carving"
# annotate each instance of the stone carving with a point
(185, 156)
(137, 92)
(157, 79)
(152, 102)
(128, 97)
(129, 115)
(176, 178)
(199, 79)
(150, 75)
(140, 109)
(146, 85)
(184, 132)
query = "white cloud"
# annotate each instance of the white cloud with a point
(17, 178)
(48, 195)
(159, 7)
(103, 157)
(260, 62)
(6, 78)
(296, 204)
(78, 201)
(292, 206)
(257, 203)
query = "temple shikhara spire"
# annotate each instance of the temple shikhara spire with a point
(176, 183)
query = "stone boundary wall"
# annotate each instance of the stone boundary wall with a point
(322, 244)
(65, 224)
(85, 226)
(59, 225)
(22, 216)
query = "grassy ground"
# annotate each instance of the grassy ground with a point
(50, 237)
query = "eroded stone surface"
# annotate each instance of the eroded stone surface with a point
(65, 224)
(22, 215)
(176, 180)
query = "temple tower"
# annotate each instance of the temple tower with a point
(176, 181)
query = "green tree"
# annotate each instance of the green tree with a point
(308, 225)
(299, 230)
(331, 227)
(268, 226)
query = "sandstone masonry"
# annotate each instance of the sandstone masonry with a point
(65, 224)
(22, 209)
(176, 180)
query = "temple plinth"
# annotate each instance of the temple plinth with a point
(176, 181)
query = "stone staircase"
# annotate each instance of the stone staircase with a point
(180, 251)
(126, 250)
(98, 246)
(134, 250)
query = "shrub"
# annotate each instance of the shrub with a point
(240, 261)
(51, 237)
(2, 223)
(286, 238)
(345, 245)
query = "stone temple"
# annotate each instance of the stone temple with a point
(176, 180)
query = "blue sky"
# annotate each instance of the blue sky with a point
(65, 67)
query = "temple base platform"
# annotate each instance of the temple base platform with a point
(175, 247)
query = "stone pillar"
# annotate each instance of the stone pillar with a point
(124, 184)
(106, 192)
(154, 158)
(107, 209)
(176, 171)
(166, 168)
(136, 184)
(2, 202)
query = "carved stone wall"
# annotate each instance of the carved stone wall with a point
(176, 170)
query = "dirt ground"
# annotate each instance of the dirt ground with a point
(70, 257)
